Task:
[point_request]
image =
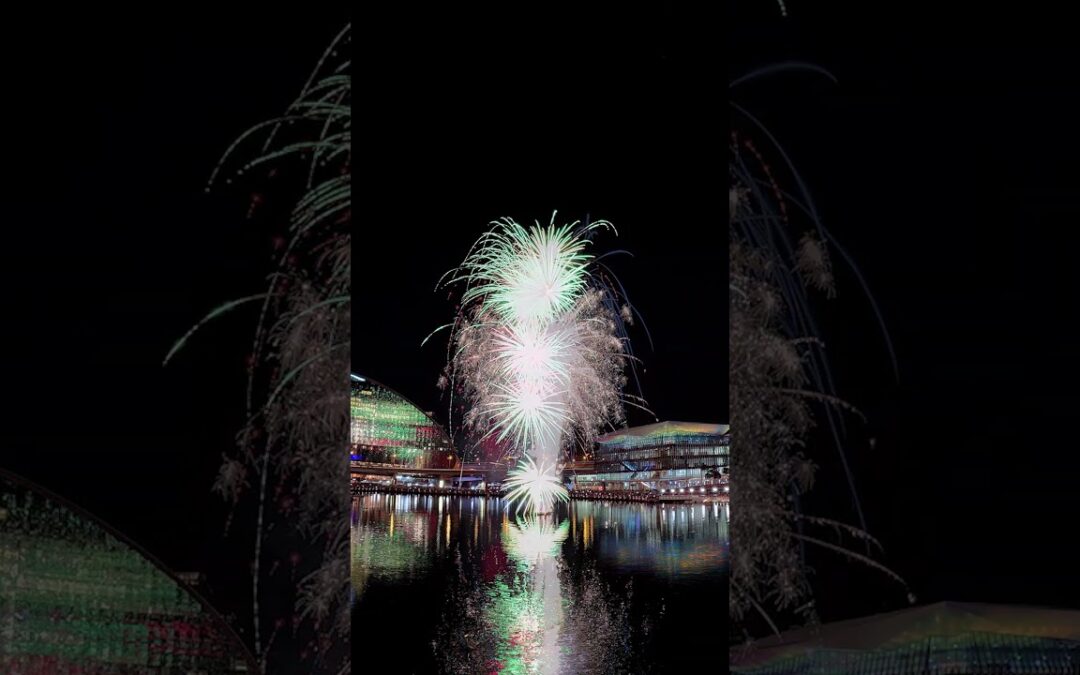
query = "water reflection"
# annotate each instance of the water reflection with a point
(532, 540)
(671, 540)
(458, 585)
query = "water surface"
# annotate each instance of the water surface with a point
(460, 585)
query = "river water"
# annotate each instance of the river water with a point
(461, 585)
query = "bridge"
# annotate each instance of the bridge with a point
(488, 471)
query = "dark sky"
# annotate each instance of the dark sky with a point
(608, 126)
(945, 162)
(112, 251)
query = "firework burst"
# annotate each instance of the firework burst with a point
(539, 348)
(534, 487)
(527, 275)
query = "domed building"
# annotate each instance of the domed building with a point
(78, 597)
(389, 431)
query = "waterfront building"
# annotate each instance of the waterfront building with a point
(388, 429)
(666, 457)
(394, 442)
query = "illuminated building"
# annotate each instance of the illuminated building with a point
(388, 430)
(77, 597)
(945, 637)
(662, 456)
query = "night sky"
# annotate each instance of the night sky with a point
(944, 161)
(611, 126)
(112, 250)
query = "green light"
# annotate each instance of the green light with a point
(386, 428)
(74, 596)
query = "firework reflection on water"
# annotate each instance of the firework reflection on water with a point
(459, 585)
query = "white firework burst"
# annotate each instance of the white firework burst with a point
(534, 487)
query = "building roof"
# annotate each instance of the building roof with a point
(665, 429)
(359, 382)
(117, 610)
(928, 630)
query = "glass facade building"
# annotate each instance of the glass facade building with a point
(666, 455)
(78, 597)
(387, 429)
